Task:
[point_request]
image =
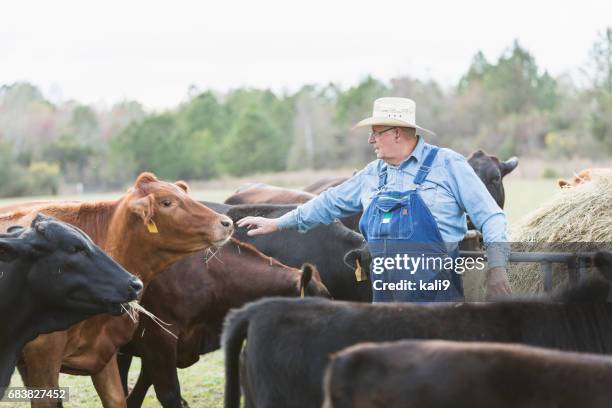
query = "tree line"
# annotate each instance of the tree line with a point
(509, 106)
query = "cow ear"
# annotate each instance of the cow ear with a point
(562, 183)
(15, 229)
(11, 249)
(183, 185)
(40, 222)
(306, 276)
(603, 262)
(509, 165)
(143, 207)
(350, 258)
(362, 253)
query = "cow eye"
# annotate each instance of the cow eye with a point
(166, 203)
(77, 248)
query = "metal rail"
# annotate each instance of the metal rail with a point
(577, 263)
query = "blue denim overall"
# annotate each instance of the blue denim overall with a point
(399, 224)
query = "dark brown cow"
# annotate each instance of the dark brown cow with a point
(194, 297)
(152, 226)
(266, 194)
(321, 185)
(437, 374)
(260, 193)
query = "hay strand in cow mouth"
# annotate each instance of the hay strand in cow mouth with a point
(581, 215)
(209, 253)
(134, 308)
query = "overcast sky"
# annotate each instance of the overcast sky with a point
(106, 51)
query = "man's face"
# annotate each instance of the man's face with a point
(383, 139)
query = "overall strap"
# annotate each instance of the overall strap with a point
(382, 178)
(426, 166)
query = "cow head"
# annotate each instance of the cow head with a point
(359, 260)
(582, 177)
(172, 220)
(66, 269)
(491, 171)
(310, 282)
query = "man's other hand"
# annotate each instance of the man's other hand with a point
(498, 286)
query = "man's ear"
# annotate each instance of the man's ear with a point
(183, 185)
(144, 207)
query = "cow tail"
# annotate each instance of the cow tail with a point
(234, 334)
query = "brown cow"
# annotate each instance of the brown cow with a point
(194, 298)
(152, 226)
(437, 373)
(583, 176)
(259, 193)
(323, 184)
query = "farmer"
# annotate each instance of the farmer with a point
(414, 199)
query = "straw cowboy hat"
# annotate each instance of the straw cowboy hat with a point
(399, 112)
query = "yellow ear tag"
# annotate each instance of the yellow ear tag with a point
(152, 227)
(302, 293)
(359, 275)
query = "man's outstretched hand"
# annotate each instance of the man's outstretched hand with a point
(258, 225)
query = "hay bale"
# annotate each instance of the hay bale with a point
(580, 215)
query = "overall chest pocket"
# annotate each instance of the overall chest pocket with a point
(391, 219)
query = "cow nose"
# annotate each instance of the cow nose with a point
(226, 222)
(136, 284)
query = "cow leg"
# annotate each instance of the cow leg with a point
(244, 380)
(159, 358)
(139, 392)
(42, 358)
(124, 361)
(108, 385)
(165, 379)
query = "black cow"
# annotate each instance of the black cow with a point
(333, 249)
(491, 171)
(51, 277)
(289, 342)
(439, 373)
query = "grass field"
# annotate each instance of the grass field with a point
(202, 383)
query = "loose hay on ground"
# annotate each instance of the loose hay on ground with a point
(581, 215)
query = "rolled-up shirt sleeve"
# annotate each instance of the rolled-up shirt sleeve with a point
(473, 196)
(337, 202)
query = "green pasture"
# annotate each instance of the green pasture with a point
(202, 383)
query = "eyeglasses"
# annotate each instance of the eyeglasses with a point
(380, 132)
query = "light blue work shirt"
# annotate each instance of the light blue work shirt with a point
(451, 190)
